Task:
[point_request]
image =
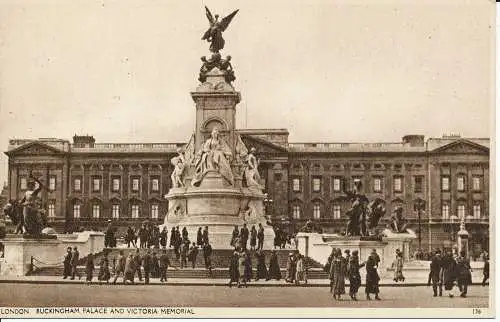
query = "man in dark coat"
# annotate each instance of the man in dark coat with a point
(143, 236)
(67, 263)
(274, 268)
(199, 237)
(372, 278)
(193, 253)
(435, 274)
(260, 237)
(75, 257)
(261, 265)
(146, 264)
(164, 264)
(233, 269)
(155, 266)
(207, 256)
(172, 237)
(463, 273)
(163, 238)
(137, 262)
(244, 233)
(205, 235)
(448, 272)
(486, 270)
(354, 275)
(184, 254)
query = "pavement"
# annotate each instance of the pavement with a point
(81, 295)
(198, 281)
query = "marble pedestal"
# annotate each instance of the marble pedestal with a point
(219, 206)
(19, 251)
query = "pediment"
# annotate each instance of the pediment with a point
(35, 148)
(462, 147)
(262, 146)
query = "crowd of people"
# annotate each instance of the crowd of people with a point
(348, 267)
(452, 268)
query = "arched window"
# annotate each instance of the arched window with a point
(296, 211)
(316, 210)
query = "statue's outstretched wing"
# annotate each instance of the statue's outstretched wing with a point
(241, 149)
(209, 15)
(227, 20)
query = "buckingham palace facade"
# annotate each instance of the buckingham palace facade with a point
(90, 183)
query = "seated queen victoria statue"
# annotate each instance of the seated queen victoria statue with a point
(214, 155)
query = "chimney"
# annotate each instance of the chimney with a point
(414, 140)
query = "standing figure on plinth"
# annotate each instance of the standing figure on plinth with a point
(33, 221)
(214, 155)
(356, 226)
(179, 163)
(214, 34)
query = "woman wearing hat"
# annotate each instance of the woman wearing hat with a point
(398, 267)
(354, 275)
(274, 268)
(337, 274)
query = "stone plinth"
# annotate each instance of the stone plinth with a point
(46, 252)
(220, 207)
(319, 246)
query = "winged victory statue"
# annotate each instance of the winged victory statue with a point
(214, 34)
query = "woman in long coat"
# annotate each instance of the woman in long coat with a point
(354, 275)
(104, 274)
(372, 278)
(173, 236)
(253, 238)
(337, 275)
(241, 269)
(274, 268)
(234, 238)
(261, 265)
(448, 272)
(398, 267)
(248, 267)
(233, 269)
(89, 267)
(291, 268)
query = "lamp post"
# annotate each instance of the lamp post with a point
(420, 206)
(267, 202)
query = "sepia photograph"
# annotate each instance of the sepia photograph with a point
(263, 159)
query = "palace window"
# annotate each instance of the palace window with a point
(461, 183)
(23, 183)
(115, 211)
(377, 185)
(96, 185)
(316, 184)
(76, 211)
(135, 184)
(419, 184)
(77, 185)
(476, 183)
(316, 211)
(461, 211)
(296, 184)
(398, 184)
(154, 211)
(116, 184)
(96, 211)
(135, 211)
(477, 211)
(337, 184)
(445, 183)
(445, 211)
(155, 185)
(296, 211)
(52, 209)
(336, 211)
(52, 183)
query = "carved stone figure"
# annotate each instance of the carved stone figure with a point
(179, 164)
(224, 65)
(252, 175)
(33, 214)
(376, 210)
(214, 155)
(398, 222)
(214, 34)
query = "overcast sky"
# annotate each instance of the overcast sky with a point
(325, 70)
